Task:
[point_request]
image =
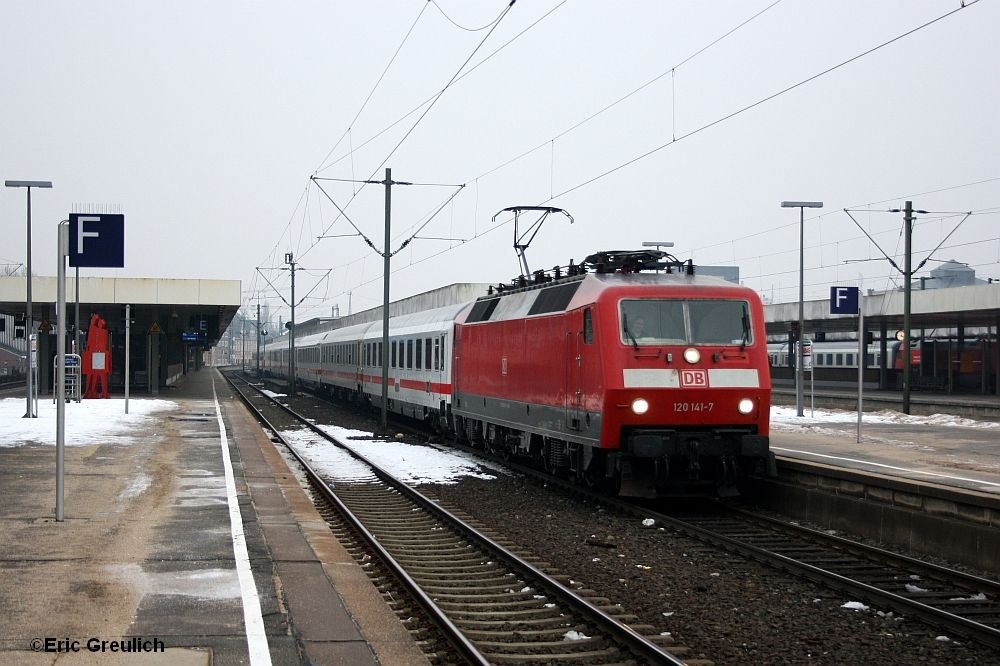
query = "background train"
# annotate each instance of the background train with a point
(650, 383)
(940, 363)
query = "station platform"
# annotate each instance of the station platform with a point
(948, 440)
(971, 405)
(172, 551)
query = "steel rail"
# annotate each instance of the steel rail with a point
(634, 641)
(875, 595)
(447, 627)
(934, 616)
(865, 550)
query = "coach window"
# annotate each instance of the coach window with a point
(840, 359)
(427, 353)
(420, 353)
(392, 354)
(437, 353)
(850, 360)
(409, 354)
(378, 354)
(588, 327)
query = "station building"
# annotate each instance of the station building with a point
(172, 323)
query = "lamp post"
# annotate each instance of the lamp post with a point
(28, 184)
(799, 345)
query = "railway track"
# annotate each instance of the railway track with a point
(489, 603)
(12, 389)
(952, 600)
(939, 596)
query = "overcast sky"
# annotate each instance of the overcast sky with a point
(203, 122)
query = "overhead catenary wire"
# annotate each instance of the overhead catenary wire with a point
(414, 127)
(459, 75)
(745, 108)
(853, 206)
(757, 103)
(385, 70)
(671, 71)
(432, 96)
(458, 25)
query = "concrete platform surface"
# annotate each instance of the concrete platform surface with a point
(147, 566)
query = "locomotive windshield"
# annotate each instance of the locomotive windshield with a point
(685, 322)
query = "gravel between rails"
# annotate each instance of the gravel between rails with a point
(726, 609)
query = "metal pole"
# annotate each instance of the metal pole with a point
(243, 338)
(385, 302)
(800, 347)
(907, 274)
(76, 327)
(128, 347)
(291, 336)
(258, 340)
(29, 326)
(862, 350)
(62, 243)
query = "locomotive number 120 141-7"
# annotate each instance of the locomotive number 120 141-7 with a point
(693, 406)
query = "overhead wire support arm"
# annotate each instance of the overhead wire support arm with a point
(943, 240)
(341, 211)
(318, 283)
(273, 288)
(888, 258)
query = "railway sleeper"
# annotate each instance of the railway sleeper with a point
(562, 657)
(503, 616)
(512, 599)
(582, 645)
(469, 591)
(521, 624)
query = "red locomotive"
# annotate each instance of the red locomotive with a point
(628, 372)
(653, 383)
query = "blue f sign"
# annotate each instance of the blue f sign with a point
(843, 300)
(96, 241)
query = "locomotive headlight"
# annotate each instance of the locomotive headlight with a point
(745, 406)
(640, 406)
(692, 355)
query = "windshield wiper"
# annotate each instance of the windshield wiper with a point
(746, 330)
(628, 332)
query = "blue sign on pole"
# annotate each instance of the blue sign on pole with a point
(96, 241)
(844, 300)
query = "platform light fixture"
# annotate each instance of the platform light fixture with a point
(28, 184)
(799, 346)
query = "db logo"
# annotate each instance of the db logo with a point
(694, 378)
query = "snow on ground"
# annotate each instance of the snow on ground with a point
(87, 422)
(784, 418)
(414, 464)
(430, 464)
